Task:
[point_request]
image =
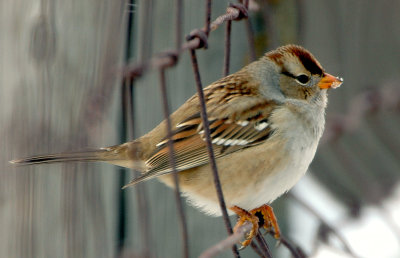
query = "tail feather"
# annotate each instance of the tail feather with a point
(84, 156)
(124, 155)
(140, 179)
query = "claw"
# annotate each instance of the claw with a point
(243, 217)
(260, 217)
(269, 220)
(241, 248)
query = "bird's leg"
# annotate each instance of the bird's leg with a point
(243, 217)
(267, 219)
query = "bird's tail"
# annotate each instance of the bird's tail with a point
(118, 155)
(124, 155)
(90, 155)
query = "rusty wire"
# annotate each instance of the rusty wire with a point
(128, 121)
(163, 89)
(295, 250)
(197, 39)
(227, 53)
(263, 245)
(172, 161)
(210, 151)
(227, 242)
(141, 196)
(208, 17)
(234, 12)
(257, 250)
(262, 248)
(251, 41)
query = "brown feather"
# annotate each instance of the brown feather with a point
(232, 124)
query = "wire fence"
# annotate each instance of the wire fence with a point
(384, 98)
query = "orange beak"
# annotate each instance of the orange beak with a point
(330, 81)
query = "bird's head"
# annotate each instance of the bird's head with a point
(299, 74)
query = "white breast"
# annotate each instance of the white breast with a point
(299, 132)
(283, 180)
(302, 130)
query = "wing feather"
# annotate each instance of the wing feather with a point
(238, 119)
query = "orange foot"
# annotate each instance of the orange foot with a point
(243, 217)
(260, 217)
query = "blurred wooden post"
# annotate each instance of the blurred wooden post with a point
(58, 83)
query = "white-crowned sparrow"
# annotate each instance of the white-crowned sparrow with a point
(265, 120)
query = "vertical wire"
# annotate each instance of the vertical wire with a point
(250, 34)
(250, 39)
(121, 224)
(172, 161)
(295, 250)
(227, 48)
(128, 134)
(178, 38)
(208, 17)
(263, 245)
(264, 249)
(210, 151)
(121, 195)
(257, 250)
(146, 33)
(140, 190)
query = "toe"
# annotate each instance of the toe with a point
(267, 219)
(243, 217)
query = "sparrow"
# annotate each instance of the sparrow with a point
(265, 122)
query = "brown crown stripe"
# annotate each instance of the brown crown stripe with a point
(305, 57)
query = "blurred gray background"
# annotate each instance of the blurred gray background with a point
(60, 90)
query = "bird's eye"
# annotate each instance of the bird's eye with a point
(302, 78)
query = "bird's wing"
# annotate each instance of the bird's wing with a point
(238, 118)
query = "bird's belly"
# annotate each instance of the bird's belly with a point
(279, 181)
(252, 182)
